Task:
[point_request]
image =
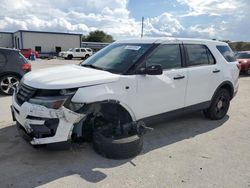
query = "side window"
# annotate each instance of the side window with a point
(83, 50)
(77, 50)
(211, 58)
(167, 55)
(38, 49)
(227, 53)
(58, 49)
(2, 59)
(198, 55)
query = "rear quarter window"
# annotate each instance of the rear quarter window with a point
(18, 57)
(227, 53)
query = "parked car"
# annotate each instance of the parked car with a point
(12, 67)
(28, 53)
(76, 53)
(111, 97)
(244, 59)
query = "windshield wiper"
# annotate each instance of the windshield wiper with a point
(92, 66)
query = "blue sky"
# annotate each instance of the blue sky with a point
(220, 19)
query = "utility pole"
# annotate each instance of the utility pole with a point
(142, 24)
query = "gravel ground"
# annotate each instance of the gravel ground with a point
(190, 151)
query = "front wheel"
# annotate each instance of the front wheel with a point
(219, 105)
(8, 83)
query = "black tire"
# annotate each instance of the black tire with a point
(7, 83)
(86, 56)
(123, 148)
(219, 105)
(70, 57)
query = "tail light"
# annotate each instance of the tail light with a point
(26, 67)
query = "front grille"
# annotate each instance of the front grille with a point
(24, 93)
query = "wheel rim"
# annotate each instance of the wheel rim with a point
(8, 84)
(221, 106)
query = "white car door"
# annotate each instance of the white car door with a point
(83, 52)
(202, 74)
(157, 94)
(77, 52)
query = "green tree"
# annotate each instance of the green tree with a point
(98, 36)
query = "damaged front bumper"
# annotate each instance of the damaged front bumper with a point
(44, 125)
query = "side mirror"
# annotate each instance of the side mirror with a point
(151, 70)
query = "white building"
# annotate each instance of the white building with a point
(6, 39)
(43, 42)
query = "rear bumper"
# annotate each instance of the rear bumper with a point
(43, 125)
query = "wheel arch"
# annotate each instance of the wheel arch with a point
(11, 73)
(117, 103)
(225, 85)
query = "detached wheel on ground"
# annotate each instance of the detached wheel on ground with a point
(117, 148)
(219, 105)
(7, 84)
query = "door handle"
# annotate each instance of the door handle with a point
(216, 71)
(179, 77)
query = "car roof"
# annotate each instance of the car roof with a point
(169, 39)
(10, 49)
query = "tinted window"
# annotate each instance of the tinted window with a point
(83, 50)
(77, 50)
(198, 55)
(17, 57)
(227, 53)
(168, 56)
(243, 55)
(2, 59)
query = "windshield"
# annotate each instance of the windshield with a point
(71, 50)
(117, 58)
(244, 55)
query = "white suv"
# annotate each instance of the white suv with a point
(76, 53)
(126, 83)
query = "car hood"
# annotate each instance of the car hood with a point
(68, 76)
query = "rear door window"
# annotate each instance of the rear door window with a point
(227, 53)
(198, 54)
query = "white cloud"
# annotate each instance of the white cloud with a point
(113, 16)
(164, 25)
(211, 7)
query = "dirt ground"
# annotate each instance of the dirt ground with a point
(189, 151)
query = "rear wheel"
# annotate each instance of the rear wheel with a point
(70, 57)
(86, 56)
(219, 105)
(8, 83)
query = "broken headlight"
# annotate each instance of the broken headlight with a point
(49, 102)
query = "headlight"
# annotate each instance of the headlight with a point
(74, 106)
(49, 102)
